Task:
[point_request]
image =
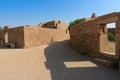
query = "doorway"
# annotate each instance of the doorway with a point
(107, 38)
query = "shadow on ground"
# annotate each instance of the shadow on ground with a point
(66, 64)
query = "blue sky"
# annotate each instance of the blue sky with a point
(32, 12)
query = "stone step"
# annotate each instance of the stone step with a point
(105, 62)
(108, 55)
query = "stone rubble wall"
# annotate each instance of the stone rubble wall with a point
(91, 36)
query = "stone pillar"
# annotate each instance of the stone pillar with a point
(117, 44)
(6, 29)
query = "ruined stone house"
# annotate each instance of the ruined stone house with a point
(91, 37)
(31, 36)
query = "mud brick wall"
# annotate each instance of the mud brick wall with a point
(16, 35)
(91, 36)
(35, 36)
(31, 36)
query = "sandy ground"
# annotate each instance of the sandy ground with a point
(111, 47)
(51, 62)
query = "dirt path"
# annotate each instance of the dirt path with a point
(51, 62)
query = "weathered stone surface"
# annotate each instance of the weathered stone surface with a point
(85, 38)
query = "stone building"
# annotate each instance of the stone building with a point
(91, 37)
(31, 36)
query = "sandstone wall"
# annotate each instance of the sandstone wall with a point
(85, 37)
(35, 36)
(16, 35)
(91, 36)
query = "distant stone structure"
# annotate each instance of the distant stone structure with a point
(31, 36)
(91, 37)
(94, 15)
